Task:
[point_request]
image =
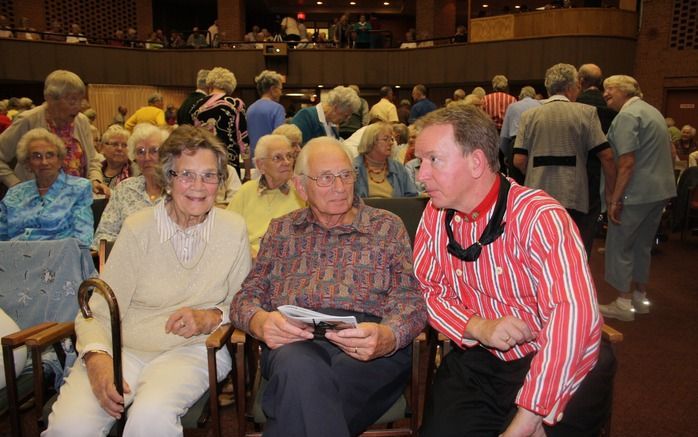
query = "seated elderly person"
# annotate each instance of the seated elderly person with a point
(294, 135)
(378, 175)
(174, 270)
(686, 144)
(324, 119)
(344, 258)
(138, 192)
(272, 195)
(53, 205)
(116, 165)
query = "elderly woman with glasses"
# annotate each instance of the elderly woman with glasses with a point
(136, 193)
(378, 175)
(116, 165)
(53, 205)
(273, 194)
(60, 115)
(174, 270)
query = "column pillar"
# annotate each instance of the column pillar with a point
(436, 18)
(231, 19)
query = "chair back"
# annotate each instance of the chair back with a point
(98, 206)
(39, 280)
(409, 209)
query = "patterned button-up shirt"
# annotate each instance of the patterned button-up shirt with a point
(365, 266)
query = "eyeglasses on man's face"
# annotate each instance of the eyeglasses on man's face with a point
(327, 179)
(189, 177)
(142, 151)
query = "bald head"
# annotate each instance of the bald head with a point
(590, 75)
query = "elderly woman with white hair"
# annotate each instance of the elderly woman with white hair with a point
(294, 135)
(377, 174)
(266, 114)
(324, 119)
(272, 195)
(60, 114)
(135, 193)
(53, 205)
(644, 185)
(116, 165)
(224, 115)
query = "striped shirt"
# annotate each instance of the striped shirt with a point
(186, 242)
(496, 104)
(536, 271)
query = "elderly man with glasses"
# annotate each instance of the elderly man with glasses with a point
(340, 257)
(504, 276)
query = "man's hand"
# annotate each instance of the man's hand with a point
(275, 330)
(503, 333)
(100, 371)
(188, 322)
(101, 188)
(365, 342)
(525, 424)
(614, 210)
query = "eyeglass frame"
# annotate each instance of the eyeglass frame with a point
(143, 151)
(184, 175)
(277, 159)
(38, 156)
(316, 179)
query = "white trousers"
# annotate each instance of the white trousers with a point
(162, 390)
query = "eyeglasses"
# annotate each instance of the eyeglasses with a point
(388, 139)
(36, 156)
(189, 177)
(327, 179)
(281, 157)
(150, 151)
(117, 145)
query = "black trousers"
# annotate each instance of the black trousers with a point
(474, 391)
(316, 390)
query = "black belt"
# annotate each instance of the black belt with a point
(563, 161)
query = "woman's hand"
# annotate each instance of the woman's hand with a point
(100, 371)
(101, 188)
(188, 322)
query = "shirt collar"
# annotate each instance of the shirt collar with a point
(629, 102)
(557, 98)
(263, 188)
(167, 228)
(55, 187)
(486, 204)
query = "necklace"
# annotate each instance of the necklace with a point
(381, 174)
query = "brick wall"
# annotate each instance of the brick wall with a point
(657, 65)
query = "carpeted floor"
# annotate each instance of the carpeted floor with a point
(656, 389)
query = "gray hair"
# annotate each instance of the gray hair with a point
(263, 144)
(290, 131)
(691, 129)
(26, 103)
(266, 80)
(343, 98)
(190, 139)
(38, 134)
(142, 132)
(473, 130)
(222, 78)
(627, 84)
(527, 91)
(155, 98)
(116, 130)
(500, 83)
(560, 78)
(303, 157)
(402, 133)
(479, 91)
(61, 82)
(201, 76)
(90, 113)
(370, 136)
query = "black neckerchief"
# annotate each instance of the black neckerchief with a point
(494, 228)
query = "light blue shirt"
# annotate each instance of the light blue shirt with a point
(263, 116)
(510, 125)
(65, 211)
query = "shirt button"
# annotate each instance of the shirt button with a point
(458, 219)
(459, 272)
(499, 270)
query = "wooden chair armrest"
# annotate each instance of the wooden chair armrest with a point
(238, 337)
(18, 338)
(611, 334)
(51, 335)
(220, 336)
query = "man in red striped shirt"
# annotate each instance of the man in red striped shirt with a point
(504, 275)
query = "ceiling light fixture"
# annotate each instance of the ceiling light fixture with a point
(318, 3)
(485, 6)
(352, 3)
